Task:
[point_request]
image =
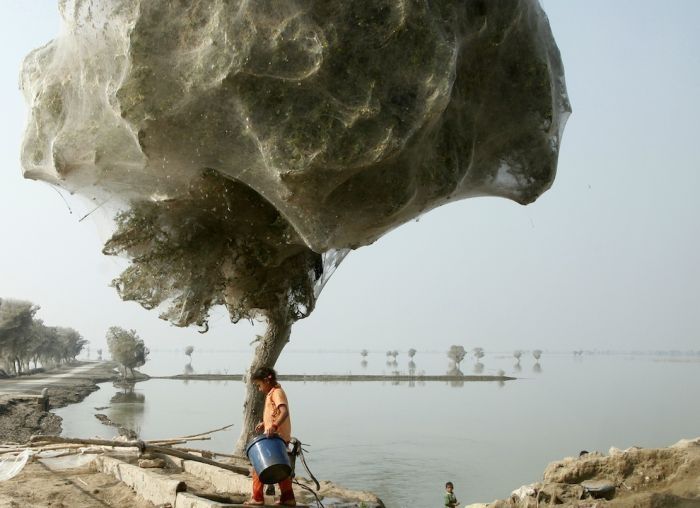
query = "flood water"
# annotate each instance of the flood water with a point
(404, 441)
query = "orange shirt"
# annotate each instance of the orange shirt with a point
(275, 398)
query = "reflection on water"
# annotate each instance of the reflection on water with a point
(127, 408)
(537, 368)
(454, 371)
(128, 396)
(478, 368)
(189, 370)
(363, 364)
(407, 464)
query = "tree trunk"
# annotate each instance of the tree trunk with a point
(279, 327)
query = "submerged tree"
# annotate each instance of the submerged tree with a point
(456, 354)
(126, 348)
(364, 353)
(537, 353)
(517, 354)
(188, 351)
(411, 353)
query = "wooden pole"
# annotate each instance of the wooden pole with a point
(143, 447)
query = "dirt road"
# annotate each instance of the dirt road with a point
(21, 411)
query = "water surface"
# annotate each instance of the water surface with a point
(404, 441)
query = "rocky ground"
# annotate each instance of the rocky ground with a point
(632, 478)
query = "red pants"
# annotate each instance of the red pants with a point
(285, 488)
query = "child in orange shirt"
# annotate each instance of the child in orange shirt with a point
(275, 421)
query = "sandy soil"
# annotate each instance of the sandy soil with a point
(37, 486)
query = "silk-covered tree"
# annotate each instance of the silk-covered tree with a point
(25, 339)
(16, 332)
(456, 354)
(243, 164)
(223, 244)
(126, 348)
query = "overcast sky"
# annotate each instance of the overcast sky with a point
(608, 258)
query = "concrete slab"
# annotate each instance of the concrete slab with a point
(223, 481)
(267, 505)
(187, 500)
(172, 462)
(153, 487)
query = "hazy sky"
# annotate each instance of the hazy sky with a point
(608, 258)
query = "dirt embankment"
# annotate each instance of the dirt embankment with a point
(632, 478)
(22, 413)
(21, 417)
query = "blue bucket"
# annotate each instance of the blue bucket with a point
(269, 458)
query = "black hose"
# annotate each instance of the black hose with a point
(298, 451)
(318, 500)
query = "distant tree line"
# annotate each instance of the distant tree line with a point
(26, 340)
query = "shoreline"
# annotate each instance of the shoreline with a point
(22, 411)
(341, 377)
(636, 477)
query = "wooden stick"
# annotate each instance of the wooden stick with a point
(218, 454)
(46, 442)
(97, 442)
(205, 433)
(177, 440)
(174, 452)
(41, 448)
(73, 452)
(143, 447)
